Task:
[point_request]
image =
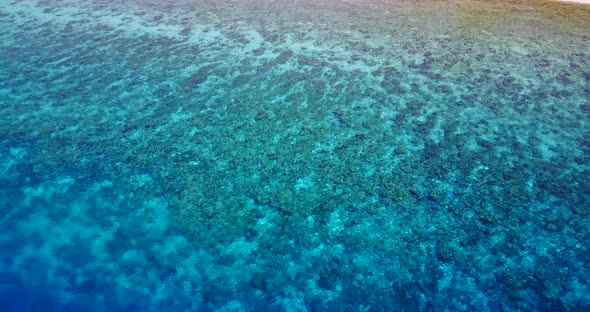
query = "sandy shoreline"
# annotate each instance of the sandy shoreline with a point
(576, 1)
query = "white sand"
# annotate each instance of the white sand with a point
(577, 1)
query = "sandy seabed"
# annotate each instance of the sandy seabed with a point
(278, 155)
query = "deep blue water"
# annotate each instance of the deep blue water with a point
(294, 156)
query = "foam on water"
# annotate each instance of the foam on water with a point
(294, 155)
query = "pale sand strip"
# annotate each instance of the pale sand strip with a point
(577, 1)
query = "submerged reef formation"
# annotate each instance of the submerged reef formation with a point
(293, 156)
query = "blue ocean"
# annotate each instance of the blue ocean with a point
(294, 155)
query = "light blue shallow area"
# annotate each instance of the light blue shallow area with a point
(294, 156)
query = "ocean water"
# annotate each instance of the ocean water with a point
(259, 155)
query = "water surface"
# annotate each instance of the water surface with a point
(294, 155)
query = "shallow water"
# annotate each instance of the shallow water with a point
(294, 155)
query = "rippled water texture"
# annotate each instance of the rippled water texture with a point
(294, 155)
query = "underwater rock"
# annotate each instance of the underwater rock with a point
(261, 115)
(342, 118)
(284, 57)
(328, 279)
(186, 30)
(196, 79)
(258, 52)
(259, 281)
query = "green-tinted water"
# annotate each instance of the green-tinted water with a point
(359, 155)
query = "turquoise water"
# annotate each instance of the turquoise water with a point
(294, 155)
